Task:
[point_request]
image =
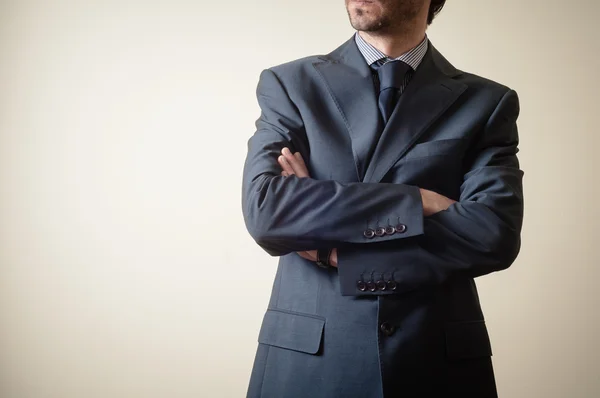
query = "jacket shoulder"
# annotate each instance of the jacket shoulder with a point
(483, 83)
(476, 83)
(299, 69)
(296, 67)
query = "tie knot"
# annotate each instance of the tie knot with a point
(392, 74)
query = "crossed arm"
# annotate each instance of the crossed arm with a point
(293, 164)
(478, 234)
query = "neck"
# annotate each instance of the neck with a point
(394, 44)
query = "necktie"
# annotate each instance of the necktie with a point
(391, 75)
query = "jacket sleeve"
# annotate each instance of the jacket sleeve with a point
(288, 214)
(477, 235)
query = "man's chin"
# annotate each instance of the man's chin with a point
(365, 23)
(367, 27)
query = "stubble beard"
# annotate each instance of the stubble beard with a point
(395, 15)
(362, 21)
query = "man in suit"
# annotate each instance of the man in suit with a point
(386, 180)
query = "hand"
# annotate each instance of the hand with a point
(312, 256)
(433, 202)
(293, 164)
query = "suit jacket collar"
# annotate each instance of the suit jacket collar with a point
(430, 93)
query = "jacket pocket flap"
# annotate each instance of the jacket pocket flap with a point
(467, 340)
(293, 331)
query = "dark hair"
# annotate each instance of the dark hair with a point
(434, 9)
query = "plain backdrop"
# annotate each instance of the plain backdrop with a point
(125, 267)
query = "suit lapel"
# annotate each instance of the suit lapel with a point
(430, 93)
(349, 81)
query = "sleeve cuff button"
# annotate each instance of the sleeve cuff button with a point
(369, 234)
(401, 228)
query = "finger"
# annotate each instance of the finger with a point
(300, 160)
(285, 165)
(333, 258)
(312, 254)
(299, 167)
(288, 156)
(305, 256)
(283, 173)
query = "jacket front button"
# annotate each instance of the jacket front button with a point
(369, 233)
(387, 329)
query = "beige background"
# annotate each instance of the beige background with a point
(125, 267)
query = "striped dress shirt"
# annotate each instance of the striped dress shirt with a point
(413, 57)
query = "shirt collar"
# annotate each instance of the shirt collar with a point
(413, 57)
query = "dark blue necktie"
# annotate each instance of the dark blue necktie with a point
(391, 76)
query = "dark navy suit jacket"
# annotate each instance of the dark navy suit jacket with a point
(418, 329)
